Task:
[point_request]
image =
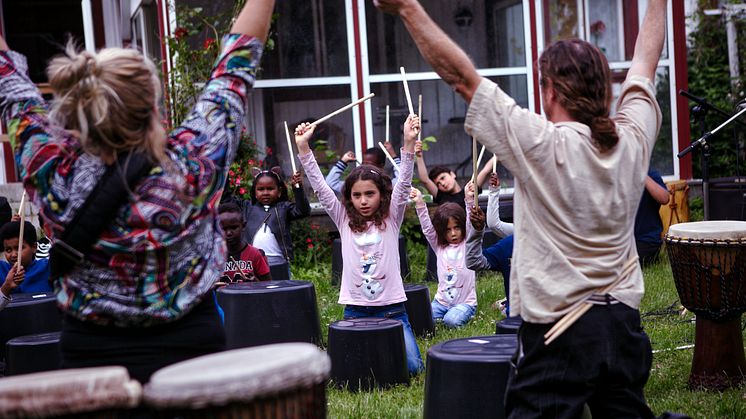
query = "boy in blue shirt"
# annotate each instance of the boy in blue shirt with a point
(35, 272)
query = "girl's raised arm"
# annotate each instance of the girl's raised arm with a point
(326, 195)
(427, 224)
(404, 183)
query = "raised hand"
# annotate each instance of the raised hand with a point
(416, 196)
(411, 128)
(477, 218)
(494, 181)
(349, 157)
(469, 190)
(303, 133)
(297, 179)
(390, 148)
(418, 148)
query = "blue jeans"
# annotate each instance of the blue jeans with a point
(394, 312)
(455, 316)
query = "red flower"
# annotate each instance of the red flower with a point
(598, 28)
(180, 33)
(251, 162)
(310, 246)
(208, 43)
(242, 191)
(238, 182)
(231, 173)
(308, 240)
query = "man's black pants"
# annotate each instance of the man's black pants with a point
(603, 360)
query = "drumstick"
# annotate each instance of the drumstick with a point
(573, 315)
(474, 175)
(342, 109)
(386, 152)
(387, 123)
(419, 113)
(20, 232)
(494, 163)
(406, 90)
(23, 201)
(481, 154)
(243, 274)
(290, 149)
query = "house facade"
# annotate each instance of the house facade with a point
(330, 52)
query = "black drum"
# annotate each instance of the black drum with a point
(508, 325)
(367, 352)
(279, 272)
(32, 353)
(467, 378)
(28, 314)
(266, 312)
(419, 310)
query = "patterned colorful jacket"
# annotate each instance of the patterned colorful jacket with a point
(165, 249)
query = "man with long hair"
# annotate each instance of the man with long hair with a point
(573, 169)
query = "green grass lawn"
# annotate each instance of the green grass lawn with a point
(666, 390)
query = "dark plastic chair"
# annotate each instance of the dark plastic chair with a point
(508, 325)
(265, 312)
(467, 378)
(29, 314)
(279, 272)
(419, 310)
(367, 352)
(32, 353)
(337, 262)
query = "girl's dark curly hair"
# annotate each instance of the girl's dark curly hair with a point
(358, 223)
(277, 178)
(445, 212)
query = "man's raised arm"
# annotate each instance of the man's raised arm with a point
(649, 41)
(447, 59)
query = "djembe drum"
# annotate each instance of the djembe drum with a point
(105, 392)
(708, 260)
(284, 380)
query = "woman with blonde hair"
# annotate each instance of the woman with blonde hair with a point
(139, 294)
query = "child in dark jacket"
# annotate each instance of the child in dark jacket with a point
(270, 212)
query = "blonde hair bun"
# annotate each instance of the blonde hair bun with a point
(108, 100)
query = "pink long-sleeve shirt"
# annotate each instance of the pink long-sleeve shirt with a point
(370, 273)
(455, 280)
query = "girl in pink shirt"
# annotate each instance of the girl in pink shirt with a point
(456, 300)
(369, 219)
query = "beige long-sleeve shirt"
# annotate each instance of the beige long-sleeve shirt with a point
(574, 206)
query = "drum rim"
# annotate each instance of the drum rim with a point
(307, 366)
(30, 395)
(239, 288)
(680, 231)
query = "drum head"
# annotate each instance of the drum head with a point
(708, 230)
(56, 393)
(239, 375)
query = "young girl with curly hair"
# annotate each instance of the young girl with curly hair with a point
(369, 220)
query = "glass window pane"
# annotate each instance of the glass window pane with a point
(296, 105)
(662, 158)
(443, 114)
(491, 31)
(311, 41)
(561, 19)
(614, 26)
